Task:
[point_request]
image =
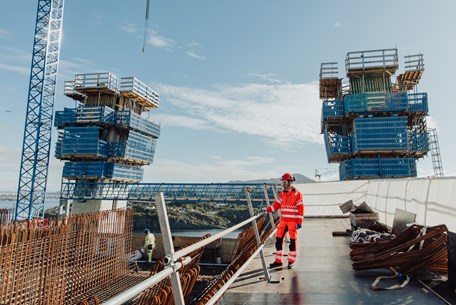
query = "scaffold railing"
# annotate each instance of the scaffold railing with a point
(132, 87)
(386, 59)
(89, 81)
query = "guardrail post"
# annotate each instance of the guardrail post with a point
(257, 234)
(274, 191)
(169, 248)
(266, 196)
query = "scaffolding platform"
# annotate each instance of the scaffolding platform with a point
(414, 69)
(330, 83)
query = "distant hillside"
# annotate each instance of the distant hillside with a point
(299, 179)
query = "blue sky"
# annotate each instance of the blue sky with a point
(238, 80)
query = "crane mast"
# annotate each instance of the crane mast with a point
(39, 113)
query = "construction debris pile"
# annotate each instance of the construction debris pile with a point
(411, 248)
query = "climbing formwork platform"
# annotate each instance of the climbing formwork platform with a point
(375, 128)
(108, 137)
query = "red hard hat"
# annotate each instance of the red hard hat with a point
(288, 177)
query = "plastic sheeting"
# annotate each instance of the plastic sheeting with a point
(431, 199)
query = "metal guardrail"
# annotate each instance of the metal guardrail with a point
(386, 58)
(174, 261)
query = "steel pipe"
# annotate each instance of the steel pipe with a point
(135, 290)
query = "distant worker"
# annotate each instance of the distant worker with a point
(291, 208)
(149, 244)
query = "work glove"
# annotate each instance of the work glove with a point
(298, 226)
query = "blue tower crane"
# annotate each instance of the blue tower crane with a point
(40, 104)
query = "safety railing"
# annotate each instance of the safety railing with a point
(104, 80)
(131, 86)
(414, 63)
(329, 70)
(175, 260)
(362, 60)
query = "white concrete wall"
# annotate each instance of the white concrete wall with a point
(433, 200)
(323, 198)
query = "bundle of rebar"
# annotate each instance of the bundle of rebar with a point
(415, 248)
(61, 262)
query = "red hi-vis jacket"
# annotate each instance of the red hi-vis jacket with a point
(291, 206)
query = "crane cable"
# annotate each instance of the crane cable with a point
(146, 25)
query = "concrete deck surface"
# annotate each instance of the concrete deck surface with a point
(322, 275)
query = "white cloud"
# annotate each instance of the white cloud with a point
(337, 24)
(181, 121)
(10, 158)
(15, 60)
(165, 170)
(269, 77)
(127, 26)
(15, 68)
(431, 123)
(195, 56)
(285, 114)
(4, 33)
(195, 44)
(159, 41)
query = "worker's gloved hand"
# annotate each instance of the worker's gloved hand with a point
(298, 226)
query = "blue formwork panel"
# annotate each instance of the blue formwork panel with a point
(95, 115)
(419, 142)
(84, 116)
(332, 109)
(377, 168)
(336, 145)
(380, 134)
(84, 170)
(126, 118)
(138, 147)
(123, 172)
(375, 102)
(83, 141)
(418, 102)
(58, 150)
(102, 170)
(65, 117)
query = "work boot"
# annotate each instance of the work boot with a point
(290, 265)
(275, 264)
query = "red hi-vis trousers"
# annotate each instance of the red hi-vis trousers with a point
(282, 229)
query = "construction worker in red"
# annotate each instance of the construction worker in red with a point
(291, 208)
